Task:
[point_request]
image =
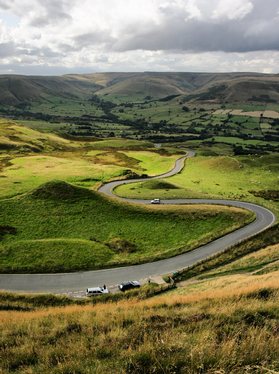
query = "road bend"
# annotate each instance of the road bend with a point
(72, 282)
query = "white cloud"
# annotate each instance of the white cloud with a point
(144, 35)
(232, 9)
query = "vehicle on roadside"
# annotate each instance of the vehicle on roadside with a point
(125, 286)
(155, 201)
(95, 291)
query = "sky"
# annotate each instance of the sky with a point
(54, 37)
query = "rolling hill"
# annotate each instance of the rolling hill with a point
(194, 87)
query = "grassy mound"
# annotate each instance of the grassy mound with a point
(223, 163)
(159, 184)
(59, 190)
(60, 227)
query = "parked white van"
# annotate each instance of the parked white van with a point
(95, 291)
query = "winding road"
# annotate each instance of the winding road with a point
(65, 282)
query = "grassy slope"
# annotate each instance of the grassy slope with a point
(82, 222)
(29, 158)
(15, 137)
(219, 177)
(226, 330)
(82, 168)
(27, 173)
(259, 262)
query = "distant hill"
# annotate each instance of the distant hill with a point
(15, 89)
(195, 87)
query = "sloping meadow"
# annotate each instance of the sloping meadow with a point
(59, 227)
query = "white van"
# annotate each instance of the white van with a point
(95, 291)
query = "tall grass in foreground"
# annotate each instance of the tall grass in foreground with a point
(200, 333)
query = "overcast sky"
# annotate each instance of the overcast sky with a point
(65, 36)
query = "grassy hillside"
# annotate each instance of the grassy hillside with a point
(21, 139)
(141, 86)
(87, 231)
(249, 178)
(241, 252)
(226, 330)
(29, 157)
(261, 262)
(239, 87)
(15, 89)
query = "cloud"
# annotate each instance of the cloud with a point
(7, 49)
(4, 5)
(52, 11)
(93, 38)
(145, 35)
(236, 9)
(232, 26)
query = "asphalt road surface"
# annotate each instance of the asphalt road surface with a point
(73, 282)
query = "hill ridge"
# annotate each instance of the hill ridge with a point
(221, 87)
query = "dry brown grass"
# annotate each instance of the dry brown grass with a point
(225, 286)
(240, 112)
(224, 289)
(270, 114)
(230, 331)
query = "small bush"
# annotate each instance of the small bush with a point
(267, 194)
(262, 294)
(121, 245)
(6, 229)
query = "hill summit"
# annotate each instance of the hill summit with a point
(60, 190)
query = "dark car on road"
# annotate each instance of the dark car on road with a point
(125, 286)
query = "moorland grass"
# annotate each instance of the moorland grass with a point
(60, 227)
(225, 331)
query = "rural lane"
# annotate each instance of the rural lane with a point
(65, 282)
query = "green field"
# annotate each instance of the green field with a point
(84, 169)
(29, 158)
(59, 227)
(238, 178)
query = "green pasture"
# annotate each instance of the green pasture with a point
(65, 107)
(87, 168)
(216, 177)
(59, 227)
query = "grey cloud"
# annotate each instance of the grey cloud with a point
(93, 38)
(87, 40)
(43, 52)
(11, 49)
(48, 20)
(7, 49)
(34, 69)
(5, 5)
(257, 31)
(53, 11)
